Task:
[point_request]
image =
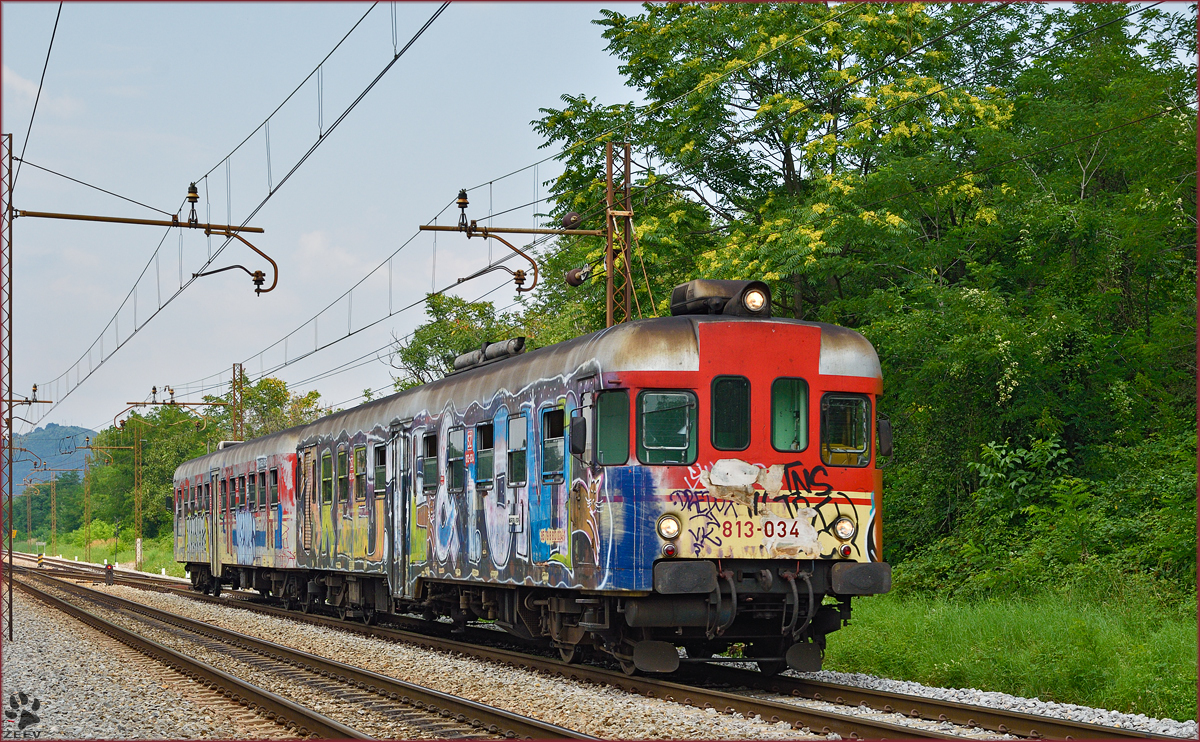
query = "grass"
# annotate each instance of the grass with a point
(155, 556)
(1136, 654)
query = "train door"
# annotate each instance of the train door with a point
(396, 496)
(216, 524)
(305, 498)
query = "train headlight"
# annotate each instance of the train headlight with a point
(844, 528)
(755, 300)
(668, 527)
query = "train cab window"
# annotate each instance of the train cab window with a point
(326, 478)
(252, 493)
(242, 491)
(846, 429)
(343, 477)
(224, 496)
(273, 481)
(789, 414)
(553, 451)
(518, 443)
(429, 463)
(731, 413)
(380, 452)
(360, 474)
(485, 455)
(612, 427)
(667, 423)
(456, 467)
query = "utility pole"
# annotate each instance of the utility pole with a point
(619, 236)
(618, 233)
(6, 381)
(88, 463)
(137, 497)
(236, 418)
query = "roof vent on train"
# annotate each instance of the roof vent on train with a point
(222, 445)
(737, 298)
(490, 352)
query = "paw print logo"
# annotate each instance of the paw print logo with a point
(22, 712)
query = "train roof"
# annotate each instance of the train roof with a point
(659, 344)
(283, 440)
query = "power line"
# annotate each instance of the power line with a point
(80, 376)
(38, 97)
(98, 188)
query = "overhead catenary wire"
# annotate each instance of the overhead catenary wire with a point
(37, 98)
(80, 375)
(94, 187)
(653, 108)
(398, 54)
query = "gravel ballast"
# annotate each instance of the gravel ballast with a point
(89, 686)
(1141, 722)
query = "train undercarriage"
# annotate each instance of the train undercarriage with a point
(774, 613)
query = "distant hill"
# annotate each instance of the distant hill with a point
(46, 443)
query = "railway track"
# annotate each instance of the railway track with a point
(714, 686)
(430, 712)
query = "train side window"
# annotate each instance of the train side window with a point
(326, 477)
(518, 442)
(224, 496)
(187, 505)
(553, 452)
(208, 503)
(485, 455)
(274, 482)
(456, 467)
(242, 491)
(789, 414)
(731, 413)
(429, 463)
(252, 493)
(380, 452)
(343, 477)
(612, 427)
(360, 474)
(846, 429)
(667, 423)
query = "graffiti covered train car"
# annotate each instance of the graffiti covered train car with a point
(694, 480)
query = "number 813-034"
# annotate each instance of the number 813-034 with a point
(768, 529)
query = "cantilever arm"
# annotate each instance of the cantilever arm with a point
(274, 265)
(485, 234)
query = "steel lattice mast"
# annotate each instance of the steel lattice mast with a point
(6, 370)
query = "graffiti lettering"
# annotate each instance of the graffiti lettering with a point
(705, 534)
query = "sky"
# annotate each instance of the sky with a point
(142, 99)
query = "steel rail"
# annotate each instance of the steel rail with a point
(305, 721)
(997, 720)
(1017, 723)
(817, 720)
(490, 718)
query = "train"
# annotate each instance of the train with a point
(704, 481)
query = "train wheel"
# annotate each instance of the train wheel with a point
(770, 668)
(569, 654)
(342, 611)
(216, 588)
(627, 666)
(307, 605)
(369, 616)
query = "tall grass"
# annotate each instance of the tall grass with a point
(1132, 652)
